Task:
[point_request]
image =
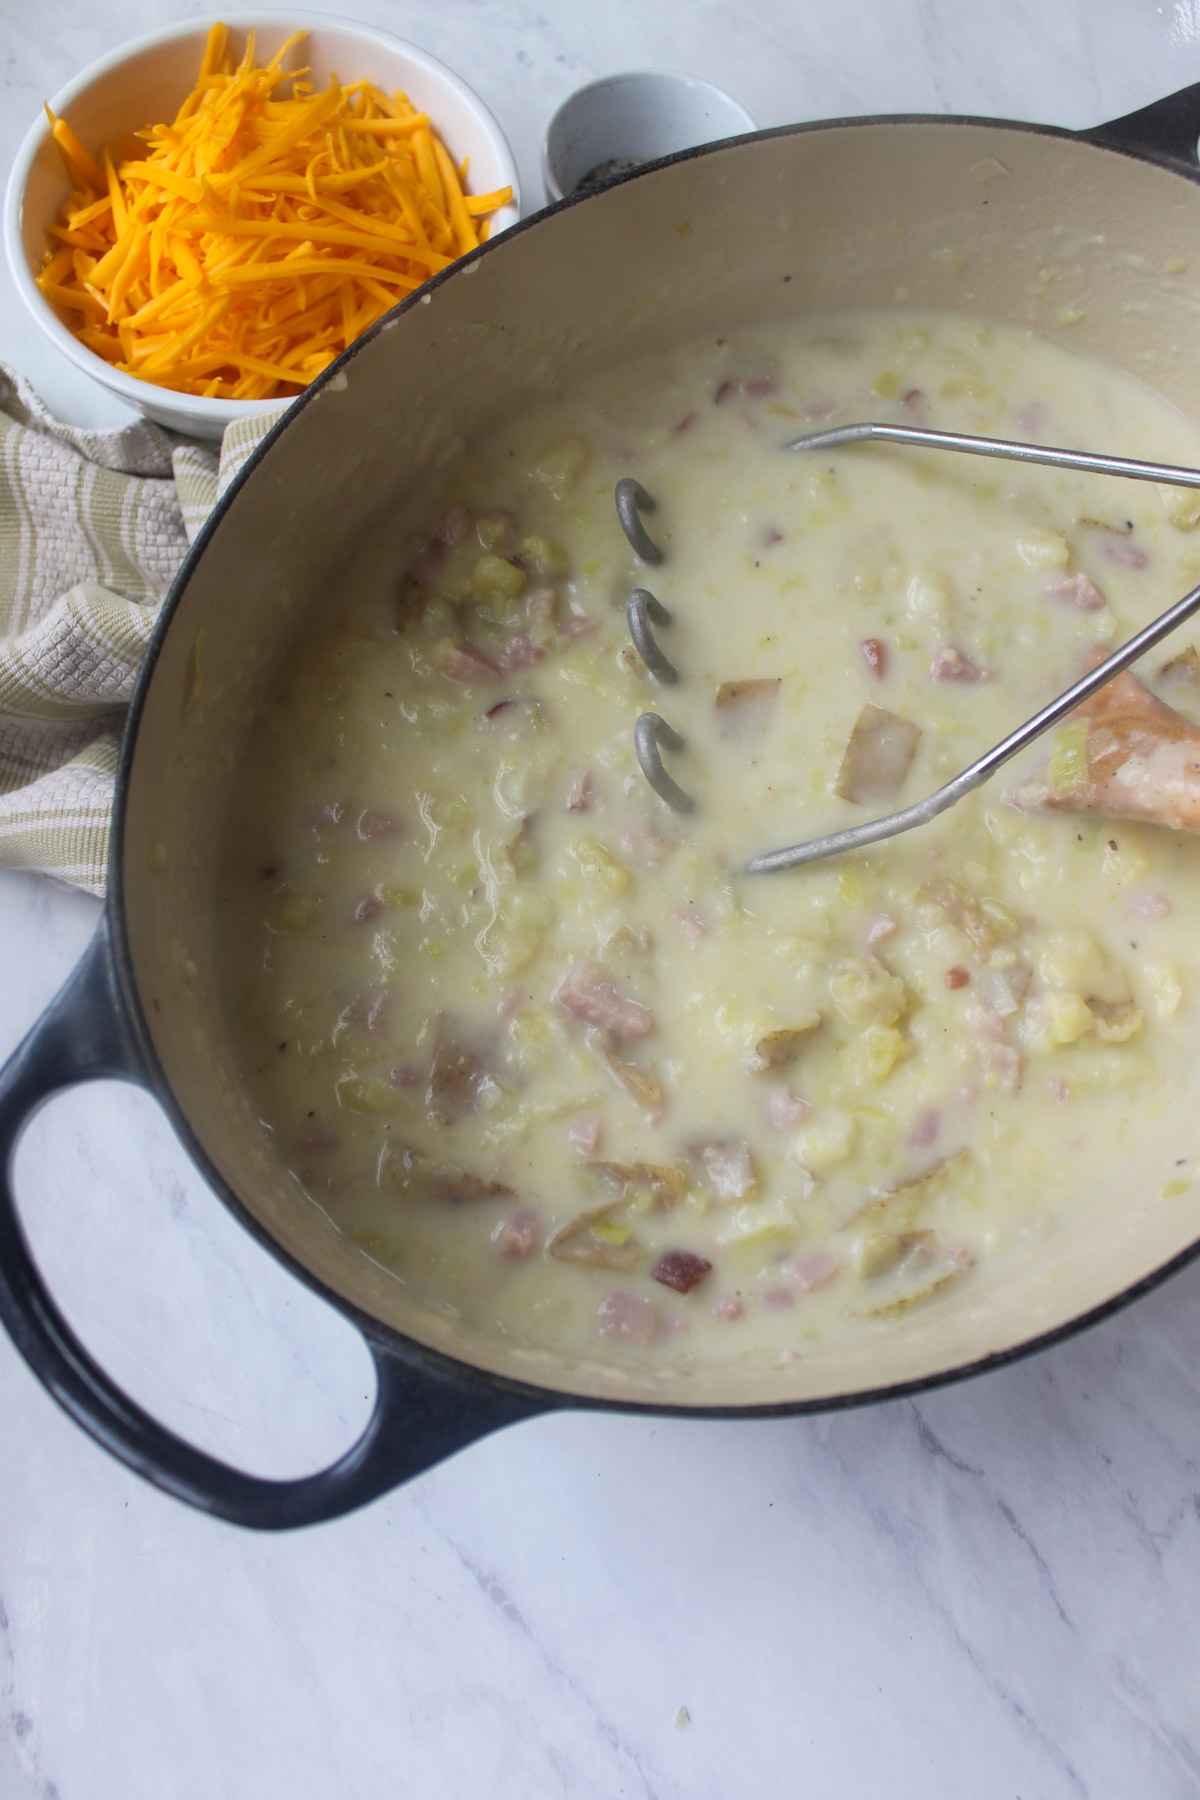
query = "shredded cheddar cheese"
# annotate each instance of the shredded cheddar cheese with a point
(235, 252)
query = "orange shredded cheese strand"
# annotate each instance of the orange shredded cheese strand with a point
(237, 251)
(74, 155)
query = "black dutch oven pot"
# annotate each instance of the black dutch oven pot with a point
(964, 215)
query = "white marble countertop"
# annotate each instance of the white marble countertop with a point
(991, 1592)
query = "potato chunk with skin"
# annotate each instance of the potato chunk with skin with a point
(1116, 1024)
(783, 1045)
(878, 756)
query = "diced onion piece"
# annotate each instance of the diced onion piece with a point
(726, 1167)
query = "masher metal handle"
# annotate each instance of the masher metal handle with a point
(867, 432)
(855, 837)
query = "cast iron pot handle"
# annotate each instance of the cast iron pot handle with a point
(1166, 131)
(420, 1415)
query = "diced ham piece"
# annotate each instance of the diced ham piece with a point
(519, 652)
(460, 662)
(541, 603)
(628, 1316)
(986, 1022)
(1075, 590)
(680, 1269)
(586, 1134)
(685, 424)
(728, 1308)
(577, 625)
(726, 1166)
(1126, 555)
(820, 409)
(779, 1299)
(926, 1127)
(881, 926)
(952, 664)
(368, 909)
(691, 922)
(771, 536)
(1060, 1093)
(519, 1236)
(1150, 904)
(583, 792)
(784, 1109)
(957, 977)
(407, 1075)
(912, 405)
(1001, 1065)
(810, 1271)
(1004, 989)
(874, 654)
(643, 846)
(587, 993)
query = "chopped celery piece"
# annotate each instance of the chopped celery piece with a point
(850, 888)
(1069, 759)
(612, 1234)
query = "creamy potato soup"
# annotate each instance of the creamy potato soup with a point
(536, 1042)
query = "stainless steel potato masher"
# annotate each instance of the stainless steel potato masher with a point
(644, 611)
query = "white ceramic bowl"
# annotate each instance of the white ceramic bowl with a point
(146, 81)
(621, 121)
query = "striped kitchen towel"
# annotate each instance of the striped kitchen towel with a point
(93, 526)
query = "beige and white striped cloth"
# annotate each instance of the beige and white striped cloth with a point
(93, 526)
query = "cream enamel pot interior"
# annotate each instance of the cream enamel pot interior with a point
(962, 215)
